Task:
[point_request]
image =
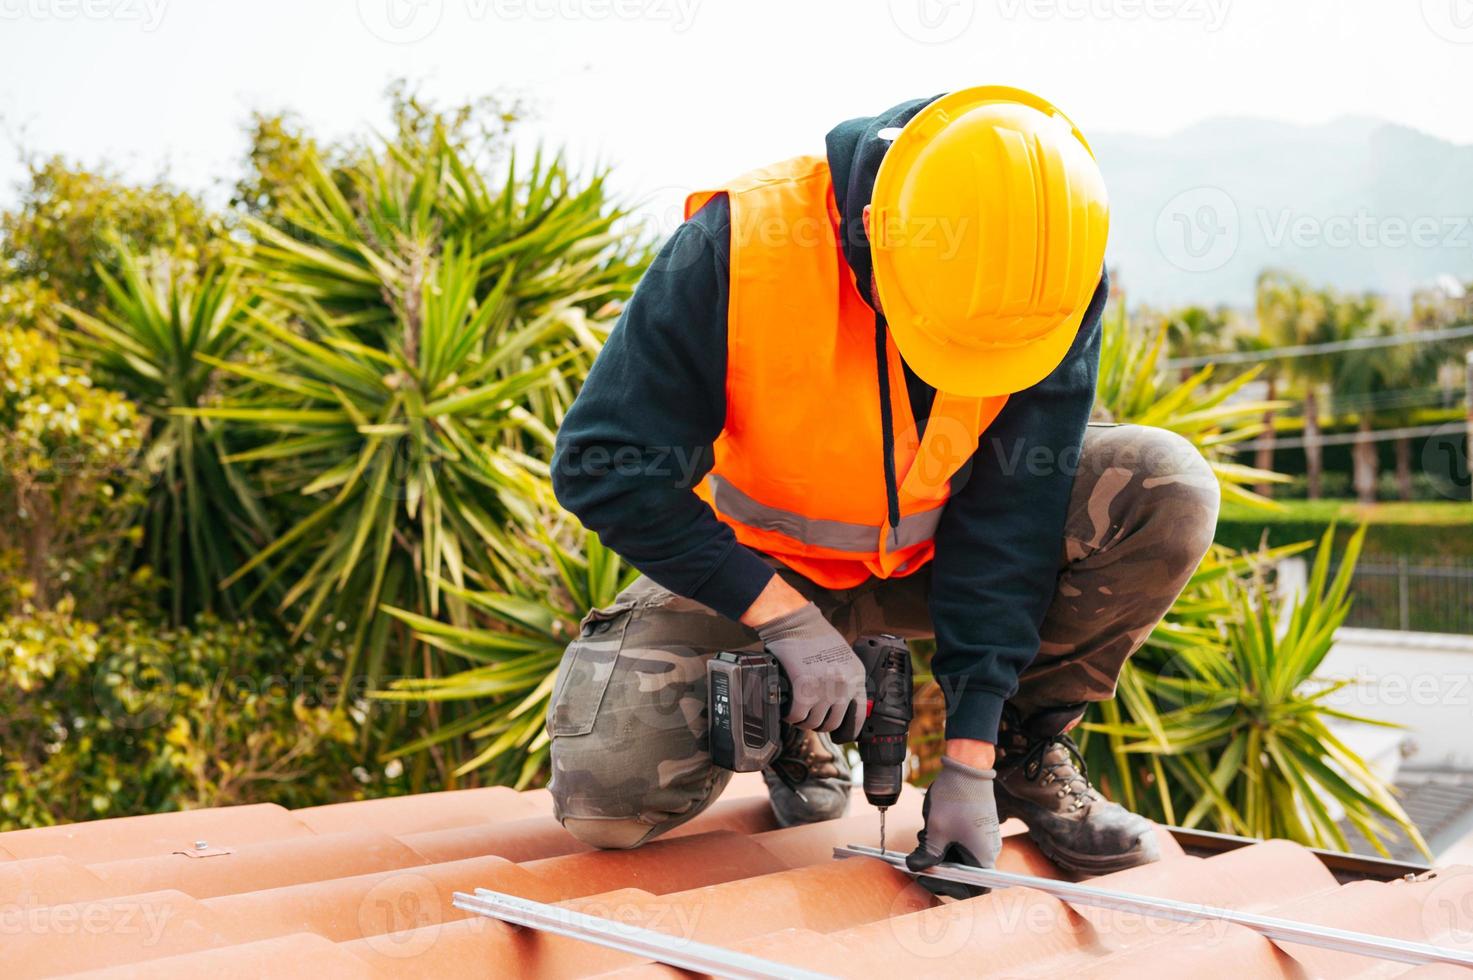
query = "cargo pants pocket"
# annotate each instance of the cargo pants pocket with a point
(583, 676)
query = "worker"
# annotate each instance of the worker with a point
(852, 395)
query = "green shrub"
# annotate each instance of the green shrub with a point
(1425, 528)
(125, 717)
(1221, 722)
(69, 476)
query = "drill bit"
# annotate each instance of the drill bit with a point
(882, 826)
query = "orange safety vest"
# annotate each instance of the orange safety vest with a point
(799, 470)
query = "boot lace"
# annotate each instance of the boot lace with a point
(1069, 770)
(794, 762)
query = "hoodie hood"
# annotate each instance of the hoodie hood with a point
(854, 150)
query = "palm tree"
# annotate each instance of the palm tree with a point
(1195, 331)
(157, 337)
(419, 334)
(1290, 313)
(1365, 381)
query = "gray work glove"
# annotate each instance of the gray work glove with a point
(960, 815)
(826, 676)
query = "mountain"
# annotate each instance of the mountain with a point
(1355, 203)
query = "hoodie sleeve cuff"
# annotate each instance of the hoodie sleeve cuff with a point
(736, 581)
(974, 713)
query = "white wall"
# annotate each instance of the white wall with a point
(1423, 681)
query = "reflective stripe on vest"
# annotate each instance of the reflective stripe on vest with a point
(860, 539)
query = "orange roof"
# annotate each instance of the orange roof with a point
(364, 889)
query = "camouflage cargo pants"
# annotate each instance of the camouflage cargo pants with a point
(628, 712)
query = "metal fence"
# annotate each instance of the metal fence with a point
(1420, 593)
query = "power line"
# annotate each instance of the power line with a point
(1348, 438)
(1329, 347)
(1397, 398)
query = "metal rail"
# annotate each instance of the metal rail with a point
(1344, 865)
(661, 947)
(1279, 930)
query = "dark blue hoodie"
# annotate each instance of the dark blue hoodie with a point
(638, 440)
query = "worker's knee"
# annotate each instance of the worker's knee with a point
(627, 719)
(610, 833)
(1151, 486)
(1179, 495)
(625, 806)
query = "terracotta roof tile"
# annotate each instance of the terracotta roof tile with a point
(428, 811)
(302, 956)
(160, 833)
(49, 881)
(364, 890)
(252, 867)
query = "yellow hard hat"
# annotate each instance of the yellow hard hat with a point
(987, 228)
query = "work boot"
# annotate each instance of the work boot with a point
(809, 779)
(1042, 780)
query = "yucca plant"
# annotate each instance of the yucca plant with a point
(514, 652)
(414, 331)
(159, 338)
(1221, 721)
(1134, 386)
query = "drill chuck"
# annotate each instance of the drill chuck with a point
(882, 745)
(884, 771)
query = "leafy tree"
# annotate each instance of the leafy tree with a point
(122, 716)
(71, 219)
(282, 152)
(69, 480)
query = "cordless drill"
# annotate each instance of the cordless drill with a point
(747, 700)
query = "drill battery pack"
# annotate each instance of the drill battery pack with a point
(748, 697)
(745, 704)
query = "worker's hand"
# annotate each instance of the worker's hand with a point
(960, 814)
(827, 677)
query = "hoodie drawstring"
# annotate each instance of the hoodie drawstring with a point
(887, 424)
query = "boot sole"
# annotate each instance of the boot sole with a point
(1084, 864)
(1093, 864)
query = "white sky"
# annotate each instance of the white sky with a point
(678, 93)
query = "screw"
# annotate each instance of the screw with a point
(201, 845)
